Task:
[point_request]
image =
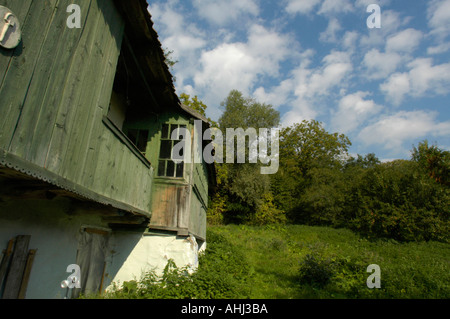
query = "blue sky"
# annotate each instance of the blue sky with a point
(386, 89)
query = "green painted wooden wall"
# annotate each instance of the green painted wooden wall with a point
(55, 89)
(177, 203)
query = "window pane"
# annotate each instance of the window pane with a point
(180, 170)
(161, 168)
(166, 149)
(165, 131)
(178, 153)
(170, 169)
(173, 130)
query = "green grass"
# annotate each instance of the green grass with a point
(300, 262)
(408, 270)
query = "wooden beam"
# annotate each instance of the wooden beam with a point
(5, 263)
(26, 275)
(16, 271)
(125, 220)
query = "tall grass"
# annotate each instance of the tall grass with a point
(290, 262)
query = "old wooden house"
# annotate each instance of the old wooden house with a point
(86, 175)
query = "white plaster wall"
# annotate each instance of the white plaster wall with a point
(152, 253)
(54, 227)
(54, 233)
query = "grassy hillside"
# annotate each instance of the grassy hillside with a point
(320, 262)
(293, 262)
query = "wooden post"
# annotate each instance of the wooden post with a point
(5, 263)
(26, 275)
(18, 264)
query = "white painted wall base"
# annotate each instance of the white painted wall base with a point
(54, 227)
(151, 253)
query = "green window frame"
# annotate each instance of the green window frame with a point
(166, 166)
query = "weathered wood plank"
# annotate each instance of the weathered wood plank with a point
(25, 133)
(67, 112)
(52, 99)
(18, 264)
(6, 260)
(20, 73)
(96, 129)
(90, 88)
(26, 274)
(20, 9)
(124, 220)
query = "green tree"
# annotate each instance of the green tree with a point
(304, 147)
(435, 161)
(308, 144)
(244, 112)
(247, 191)
(194, 103)
(168, 58)
(197, 105)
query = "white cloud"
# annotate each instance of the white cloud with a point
(277, 96)
(350, 39)
(396, 87)
(240, 65)
(404, 41)
(329, 35)
(221, 12)
(302, 112)
(439, 49)
(353, 111)
(423, 78)
(380, 65)
(336, 6)
(311, 85)
(391, 22)
(301, 6)
(439, 17)
(365, 3)
(393, 131)
(428, 78)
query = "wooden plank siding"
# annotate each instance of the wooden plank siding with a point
(55, 90)
(178, 203)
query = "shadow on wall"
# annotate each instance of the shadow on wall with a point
(55, 230)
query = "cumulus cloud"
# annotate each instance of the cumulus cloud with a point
(396, 87)
(301, 6)
(330, 34)
(311, 85)
(353, 111)
(221, 12)
(336, 6)
(391, 22)
(240, 65)
(439, 49)
(392, 131)
(379, 65)
(439, 17)
(404, 41)
(423, 78)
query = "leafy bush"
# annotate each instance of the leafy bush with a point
(396, 200)
(267, 213)
(316, 271)
(390, 200)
